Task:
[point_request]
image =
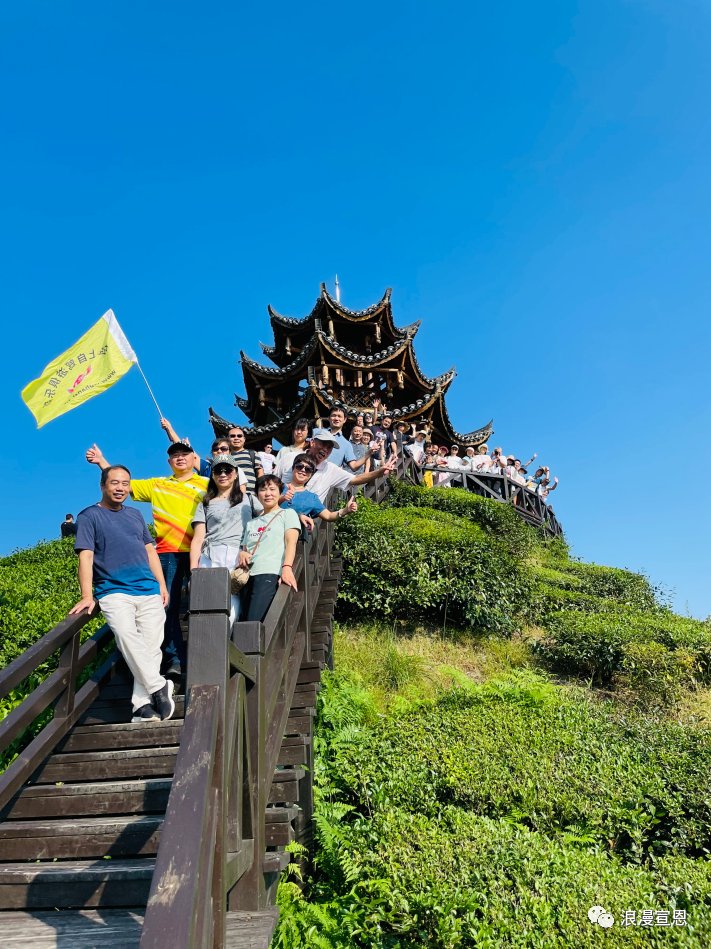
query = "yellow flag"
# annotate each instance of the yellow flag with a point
(86, 369)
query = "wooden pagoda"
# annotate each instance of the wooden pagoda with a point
(336, 357)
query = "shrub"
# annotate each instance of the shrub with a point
(524, 751)
(450, 826)
(500, 520)
(595, 645)
(415, 562)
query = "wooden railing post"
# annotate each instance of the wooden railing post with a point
(209, 664)
(68, 666)
(250, 892)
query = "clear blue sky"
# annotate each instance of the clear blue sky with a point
(531, 179)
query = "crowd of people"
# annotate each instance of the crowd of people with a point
(239, 509)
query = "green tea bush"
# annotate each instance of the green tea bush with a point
(410, 562)
(500, 520)
(626, 588)
(460, 880)
(38, 587)
(604, 646)
(526, 752)
(568, 584)
(466, 823)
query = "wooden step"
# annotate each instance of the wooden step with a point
(300, 724)
(79, 838)
(123, 735)
(251, 930)
(285, 786)
(107, 765)
(115, 711)
(75, 883)
(80, 929)
(84, 800)
(275, 861)
(310, 672)
(294, 750)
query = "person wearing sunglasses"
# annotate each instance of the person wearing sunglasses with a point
(328, 475)
(307, 504)
(220, 519)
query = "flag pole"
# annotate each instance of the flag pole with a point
(149, 388)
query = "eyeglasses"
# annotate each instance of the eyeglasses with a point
(222, 449)
(223, 471)
(236, 436)
(306, 468)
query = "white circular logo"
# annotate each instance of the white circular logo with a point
(595, 912)
(605, 920)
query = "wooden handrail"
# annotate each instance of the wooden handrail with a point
(179, 910)
(18, 670)
(533, 508)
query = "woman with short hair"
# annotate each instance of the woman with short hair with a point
(307, 504)
(268, 549)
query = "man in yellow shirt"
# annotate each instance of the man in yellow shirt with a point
(173, 501)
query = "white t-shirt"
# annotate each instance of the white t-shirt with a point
(416, 449)
(326, 476)
(268, 461)
(288, 450)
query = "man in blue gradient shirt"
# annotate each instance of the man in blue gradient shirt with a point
(119, 567)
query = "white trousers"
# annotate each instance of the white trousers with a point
(220, 555)
(137, 624)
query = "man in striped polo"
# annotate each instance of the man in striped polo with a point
(173, 500)
(245, 459)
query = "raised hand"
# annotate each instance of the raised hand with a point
(94, 455)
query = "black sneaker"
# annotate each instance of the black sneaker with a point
(146, 713)
(163, 700)
(173, 670)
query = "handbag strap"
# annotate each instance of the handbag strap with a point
(264, 531)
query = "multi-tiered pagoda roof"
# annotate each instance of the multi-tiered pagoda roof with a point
(344, 358)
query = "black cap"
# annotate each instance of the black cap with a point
(179, 447)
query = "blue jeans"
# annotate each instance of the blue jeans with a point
(176, 567)
(257, 596)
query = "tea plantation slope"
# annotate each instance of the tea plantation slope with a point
(456, 814)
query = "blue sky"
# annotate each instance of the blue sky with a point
(530, 179)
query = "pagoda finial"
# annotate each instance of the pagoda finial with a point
(338, 290)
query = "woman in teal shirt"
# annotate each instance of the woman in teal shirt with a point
(269, 547)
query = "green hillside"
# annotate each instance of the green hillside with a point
(510, 737)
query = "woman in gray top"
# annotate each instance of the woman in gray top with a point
(220, 519)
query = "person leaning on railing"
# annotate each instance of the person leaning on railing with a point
(268, 548)
(328, 475)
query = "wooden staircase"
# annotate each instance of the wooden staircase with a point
(80, 838)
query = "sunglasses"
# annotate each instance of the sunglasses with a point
(306, 468)
(223, 470)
